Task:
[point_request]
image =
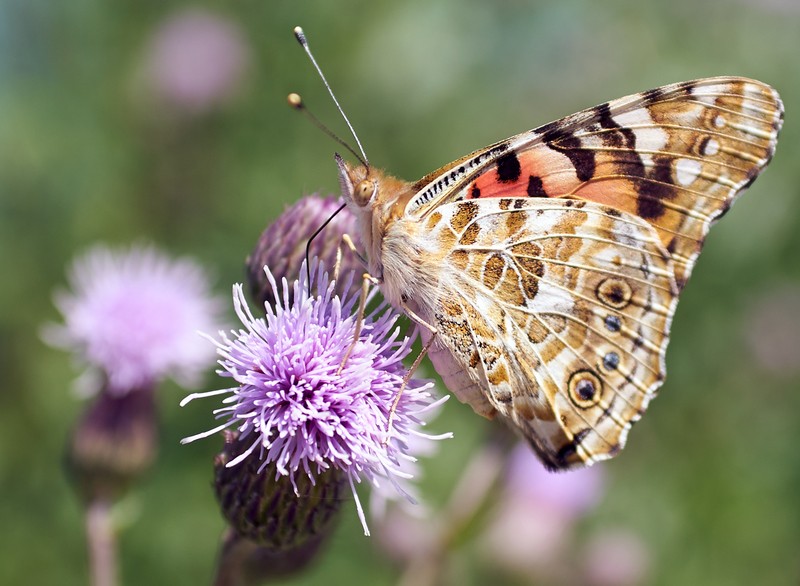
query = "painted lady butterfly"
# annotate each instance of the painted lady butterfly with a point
(550, 264)
(546, 267)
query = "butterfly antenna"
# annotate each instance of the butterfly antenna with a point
(310, 240)
(296, 102)
(301, 38)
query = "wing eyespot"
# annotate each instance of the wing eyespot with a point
(613, 323)
(611, 361)
(585, 389)
(615, 293)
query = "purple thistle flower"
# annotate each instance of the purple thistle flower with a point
(133, 317)
(532, 527)
(305, 406)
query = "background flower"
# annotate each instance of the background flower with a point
(616, 557)
(535, 516)
(196, 60)
(133, 316)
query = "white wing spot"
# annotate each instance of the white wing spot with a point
(552, 299)
(752, 130)
(752, 91)
(649, 138)
(687, 170)
(707, 99)
(711, 148)
(719, 121)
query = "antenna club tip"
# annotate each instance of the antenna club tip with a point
(295, 101)
(299, 35)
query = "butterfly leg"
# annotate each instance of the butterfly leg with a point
(348, 242)
(362, 306)
(362, 302)
(338, 265)
(414, 366)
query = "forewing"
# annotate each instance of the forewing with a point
(676, 156)
(558, 313)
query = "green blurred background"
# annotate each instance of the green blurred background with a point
(96, 146)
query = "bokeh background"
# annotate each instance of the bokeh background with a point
(166, 121)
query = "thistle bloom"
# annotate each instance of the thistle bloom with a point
(312, 394)
(616, 557)
(133, 315)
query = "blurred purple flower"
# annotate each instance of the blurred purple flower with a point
(303, 403)
(773, 330)
(405, 537)
(133, 317)
(570, 494)
(535, 515)
(416, 542)
(616, 557)
(196, 60)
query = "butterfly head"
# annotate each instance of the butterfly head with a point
(365, 192)
(377, 200)
(359, 187)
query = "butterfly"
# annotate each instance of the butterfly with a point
(547, 266)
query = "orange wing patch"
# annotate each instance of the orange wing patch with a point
(678, 160)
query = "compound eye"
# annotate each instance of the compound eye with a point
(363, 192)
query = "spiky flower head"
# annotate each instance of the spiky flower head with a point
(282, 245)
(133, 316)
(312, 393)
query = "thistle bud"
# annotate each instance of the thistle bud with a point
(114, 443)
(243, 563)
(274, 510)
(282, 245)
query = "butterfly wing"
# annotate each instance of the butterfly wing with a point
(676, 156)
(555, 313)
(559, 254)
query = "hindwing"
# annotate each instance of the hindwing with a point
(559, 312)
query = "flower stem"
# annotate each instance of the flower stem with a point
(102, 543)
(472, 494)
(234, 551)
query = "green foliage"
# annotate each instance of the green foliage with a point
(710, 477)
